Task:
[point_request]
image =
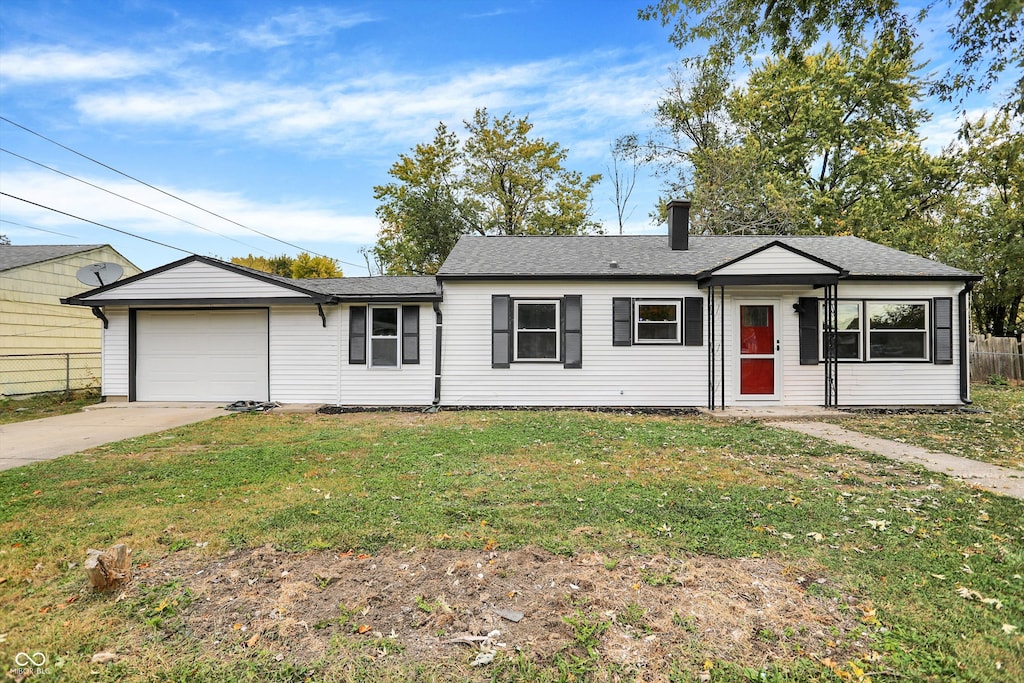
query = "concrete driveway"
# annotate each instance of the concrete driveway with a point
(22, 443)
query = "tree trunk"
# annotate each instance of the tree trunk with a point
(110, 569)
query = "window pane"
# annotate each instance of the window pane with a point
(898, 345)
(849, 317)
(537, 316)
(896, 316)
(657, 331)
(656, 312)
(535, 345)
(754, 316)
(384, 352)
(385, 322)
(848, 345)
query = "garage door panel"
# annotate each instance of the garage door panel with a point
(202, 355)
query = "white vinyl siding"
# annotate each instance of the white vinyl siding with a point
(304, 354)
(408, 385)
(775, 261)
(639, 375)
(115, 353)
(196, 280)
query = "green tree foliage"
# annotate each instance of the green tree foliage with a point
(304, 265)
(984, 35)
(498, 181)
(984, 221)
(826, 145)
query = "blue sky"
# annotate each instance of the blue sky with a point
(282, 117)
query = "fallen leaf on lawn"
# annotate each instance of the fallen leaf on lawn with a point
(103, 657)
(939, 576)
(364, 628)
(252, 641)
(236, 627)
(816, 536)
(995, 602)
(1009, 628)
(363, 556)
(878, 524)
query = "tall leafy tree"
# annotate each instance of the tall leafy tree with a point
(826, 145)
(983, 228)
(500, 180)
(984, 35)
(423, 211)
(304, 265)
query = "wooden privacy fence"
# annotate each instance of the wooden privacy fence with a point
(991, 356)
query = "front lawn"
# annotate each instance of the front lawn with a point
(378, 547)
(995, 434)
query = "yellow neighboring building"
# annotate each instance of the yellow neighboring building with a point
(46, 346)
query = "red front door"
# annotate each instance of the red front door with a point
(757, 350)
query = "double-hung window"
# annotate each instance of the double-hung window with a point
(536, 329)
(848, 330)
(384, 336)
(656, 322)
(897, 330)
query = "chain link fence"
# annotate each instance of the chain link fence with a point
(43, 373)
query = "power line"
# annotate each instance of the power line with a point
(32, 227)
(129, 199)
(165, 192)
(86, 220)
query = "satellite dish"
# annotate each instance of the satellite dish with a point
(99, 274)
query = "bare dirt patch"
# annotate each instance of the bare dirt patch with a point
(438, 606)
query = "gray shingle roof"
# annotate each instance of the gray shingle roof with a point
(383, 286)
(650, 256)
(17, 255)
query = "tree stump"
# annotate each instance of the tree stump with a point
(110, 569)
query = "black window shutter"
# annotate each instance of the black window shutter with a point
(410, 335)
(943, 322)
(572, 331)
(501, 331)
(693, 319)
(808, 309)
(357, 335)
(622, 321)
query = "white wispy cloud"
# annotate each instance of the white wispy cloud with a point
(34, 64)
(290, 221)
(299, 24)
(562, 97)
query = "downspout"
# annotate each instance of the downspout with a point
(963, 313)
(437, 358)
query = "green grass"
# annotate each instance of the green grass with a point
(45, 405)
(567, 482)
(995, 436)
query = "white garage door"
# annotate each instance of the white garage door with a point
(201, 355)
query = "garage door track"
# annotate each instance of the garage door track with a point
(22, 443)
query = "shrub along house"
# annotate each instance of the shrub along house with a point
(557, 321)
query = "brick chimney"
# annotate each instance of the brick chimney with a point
(678, 225)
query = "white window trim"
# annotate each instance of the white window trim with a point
(860, 330)
(370, 337)
(657, 302)
(556, 330)
(926, 329)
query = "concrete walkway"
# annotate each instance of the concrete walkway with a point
(1003, 480)
(22, 443)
